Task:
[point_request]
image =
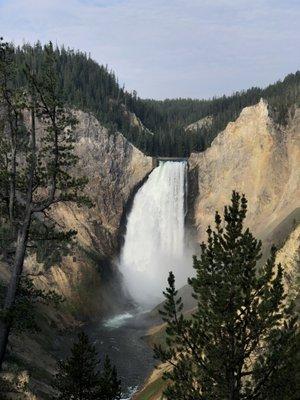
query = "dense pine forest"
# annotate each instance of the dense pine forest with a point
(85, 84)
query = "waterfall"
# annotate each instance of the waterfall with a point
(155, 235)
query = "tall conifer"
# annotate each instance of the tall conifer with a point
(241, 332)
(79, 377)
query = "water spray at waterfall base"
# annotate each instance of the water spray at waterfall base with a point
(155, 241)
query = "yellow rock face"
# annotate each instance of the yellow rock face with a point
(113, 167)
(289, 257)
(254, 156)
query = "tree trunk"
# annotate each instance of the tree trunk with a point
(5, 326)
(9, 302)
(12, 186)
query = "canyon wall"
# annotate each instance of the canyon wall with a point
(114, 168)
(254, 156)
(88, 277)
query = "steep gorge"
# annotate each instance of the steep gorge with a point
(253, 155)
(87, 278)
(114, 168)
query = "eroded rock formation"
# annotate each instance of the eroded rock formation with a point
(114, 168)
(205, 122)
(254, 156)
(87, 278)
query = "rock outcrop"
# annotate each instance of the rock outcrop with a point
(87, 278)
(205, 122)
(289, 257)
(135, 122)
(114, 168)
(254, 156)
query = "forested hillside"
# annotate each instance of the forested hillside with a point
(92, 87)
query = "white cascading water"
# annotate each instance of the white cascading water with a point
(155, 236)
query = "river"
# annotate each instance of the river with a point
(121, 337)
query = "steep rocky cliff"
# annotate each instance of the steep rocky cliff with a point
(205, 122)
(114, 168)
(87, 278)
(289, 257)
(254, 156)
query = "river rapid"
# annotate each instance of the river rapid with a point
(122, 339)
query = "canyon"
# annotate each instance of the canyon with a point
(253, 155)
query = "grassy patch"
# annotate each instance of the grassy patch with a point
(152, 391)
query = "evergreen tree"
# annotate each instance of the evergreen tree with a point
(35, 167)
(24, 316)
(110, 385)
(92, 87)
(241, 335)
(78, 377)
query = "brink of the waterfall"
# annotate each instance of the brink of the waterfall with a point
(155, 235)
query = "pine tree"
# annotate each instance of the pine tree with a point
(35, 167)
(78, 377)
(242, 332)
(110, 385)
(92, 87)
